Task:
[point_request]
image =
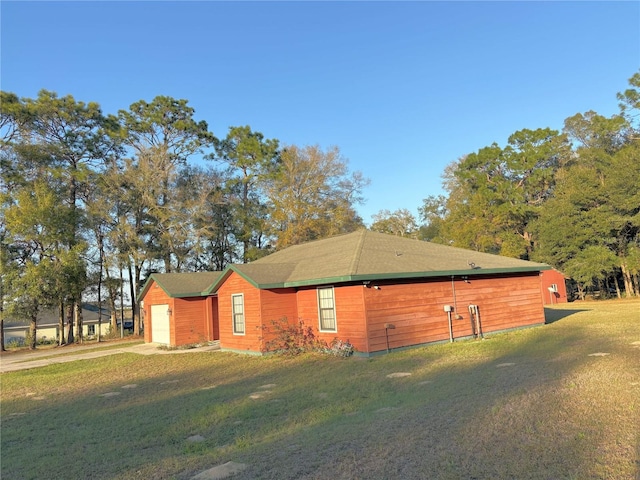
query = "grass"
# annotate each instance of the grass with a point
(528, 404)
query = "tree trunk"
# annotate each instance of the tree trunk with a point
(101, 248)
(33, 332)
(78, 314)
(2, 327)
(113, 317)
(121, 304)
(70, 338)
(628, 283)
(615, 282)
(2, 332)
(61, 323)
(132, 292)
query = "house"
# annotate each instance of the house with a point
(47, 328)
(177, 310)
(378, 291)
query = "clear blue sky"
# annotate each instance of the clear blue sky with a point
(402, 88)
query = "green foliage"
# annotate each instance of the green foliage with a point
(570, 199)
(312, 195)
(496, 193)
(400, 223)
(251, 160)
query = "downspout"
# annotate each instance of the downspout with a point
(455, 302)
(388, 326)
(453, 288)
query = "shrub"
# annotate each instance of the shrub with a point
(294, 338)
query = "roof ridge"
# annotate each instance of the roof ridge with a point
(355, 261)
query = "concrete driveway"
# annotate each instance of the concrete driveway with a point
(24, 360)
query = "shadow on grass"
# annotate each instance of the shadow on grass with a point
(508, 407)
(552, 315)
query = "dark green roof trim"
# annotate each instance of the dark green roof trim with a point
(399, 276)
(374, 277)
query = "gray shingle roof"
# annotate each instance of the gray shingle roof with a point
(366, 255)
(179, 285)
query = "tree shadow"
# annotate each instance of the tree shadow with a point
(552, 315)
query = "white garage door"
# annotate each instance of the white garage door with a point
(160, 330)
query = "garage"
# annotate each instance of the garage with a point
(161, 331)
(176, 309)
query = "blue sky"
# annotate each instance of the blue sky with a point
(402, 88)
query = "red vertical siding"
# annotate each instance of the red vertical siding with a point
(277, 305)
(212, 314)
(350, 317)
(252, 338)
(192, 320)
(189, 321)
(416, 310)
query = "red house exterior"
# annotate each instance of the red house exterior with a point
(377, 291)
(554, 288)
(175, 310)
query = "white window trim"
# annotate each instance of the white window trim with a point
(233, 315)
(335, 315)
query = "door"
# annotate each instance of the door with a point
(160, 328)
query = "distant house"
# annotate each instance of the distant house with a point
(377, 291)
(17, 330)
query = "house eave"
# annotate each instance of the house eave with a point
(396, 276)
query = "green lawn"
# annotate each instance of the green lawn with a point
(528, 404)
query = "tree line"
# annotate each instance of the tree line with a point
(93, 202)
(570, 199)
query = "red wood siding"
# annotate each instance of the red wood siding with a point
(277, 305)
(417, 309)
(155, 296)
(189, 321)
(251, 340)
(193, 320)
(212, 313)
(350, 318)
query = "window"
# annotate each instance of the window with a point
(237, 304)
(91, 329)
(326, 310)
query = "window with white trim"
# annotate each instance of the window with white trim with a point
(326, 310)
(237, 305)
